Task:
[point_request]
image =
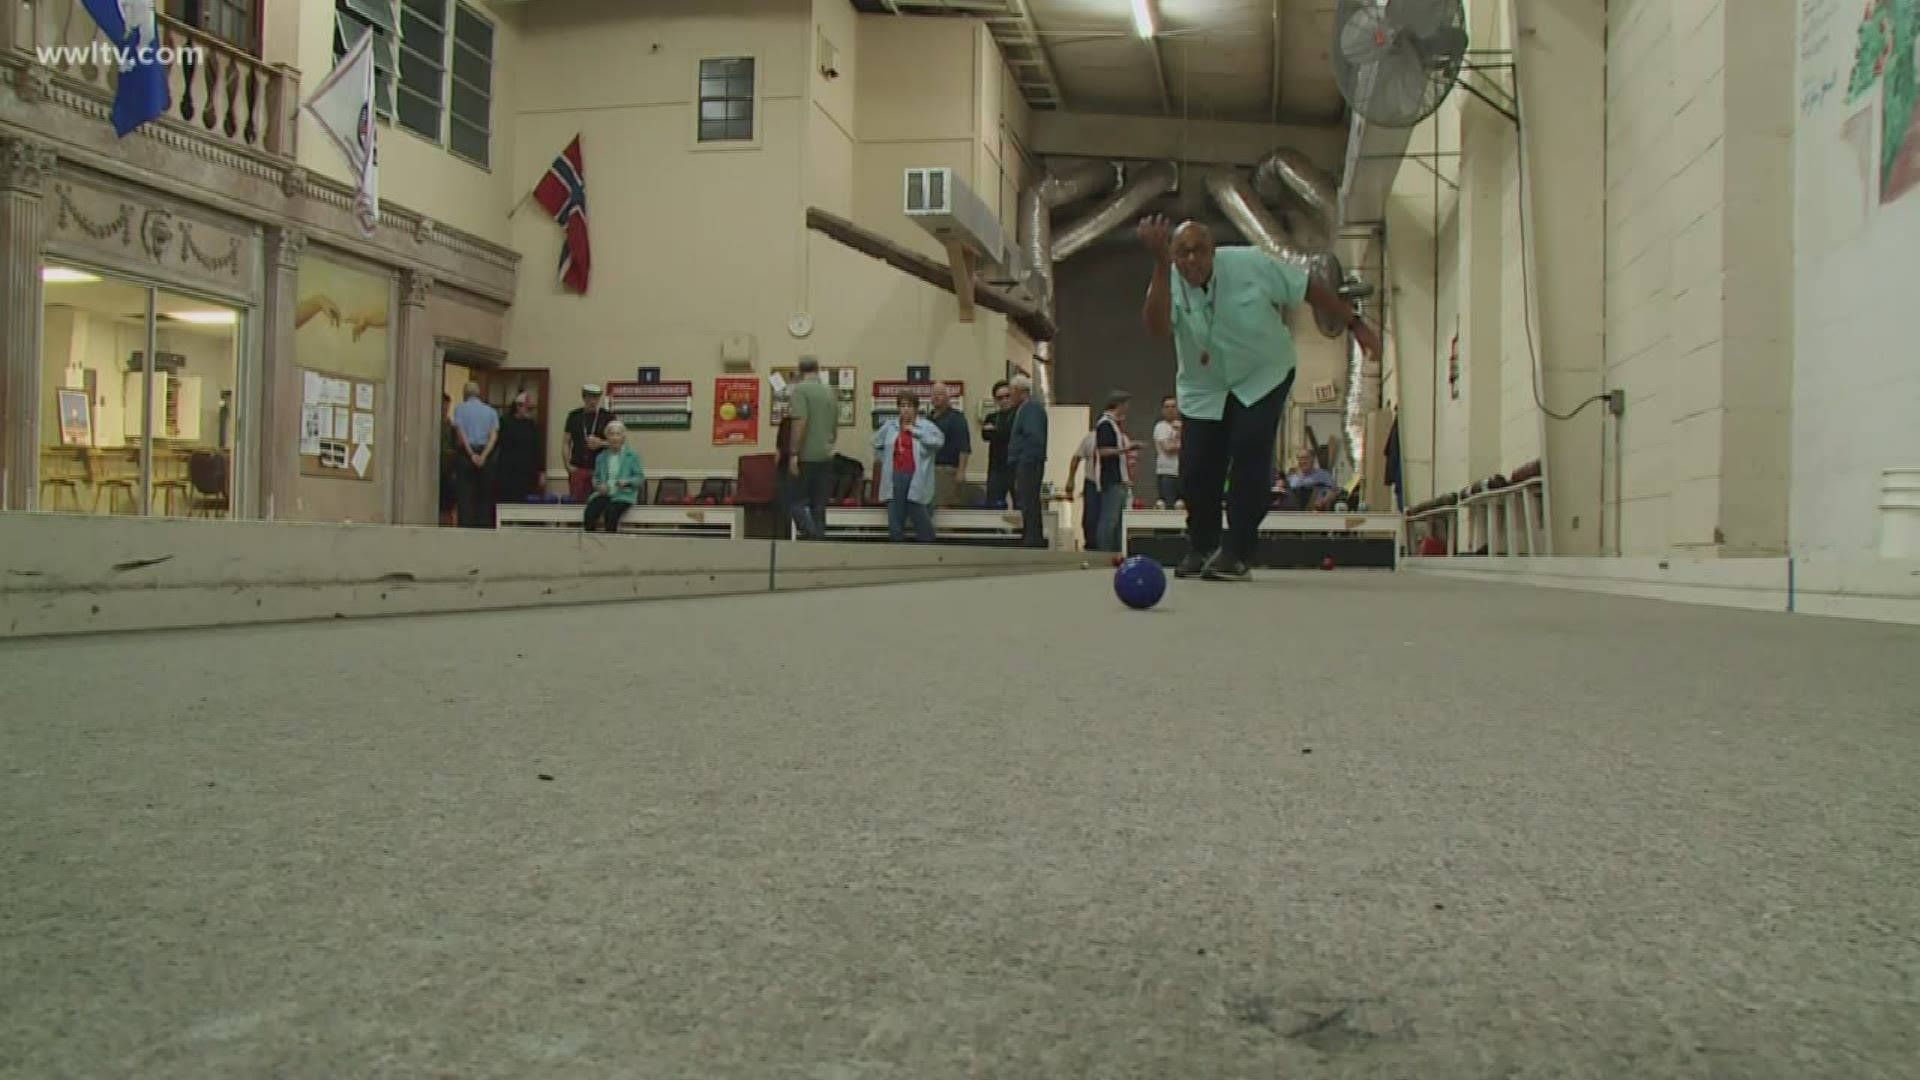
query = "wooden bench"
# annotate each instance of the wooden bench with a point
(718, 522)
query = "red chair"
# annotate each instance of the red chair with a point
(756, 481)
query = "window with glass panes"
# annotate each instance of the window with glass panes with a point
(470, 96)
(421, 92)
(351, 19)
(232, 21)
(726, 99)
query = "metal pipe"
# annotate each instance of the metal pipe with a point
(1146, 185)
(1079, 181)
(1288, 176)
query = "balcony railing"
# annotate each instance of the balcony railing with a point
(217, 89)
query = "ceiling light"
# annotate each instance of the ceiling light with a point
(1143, 18)
(60, 274)
(211, 318)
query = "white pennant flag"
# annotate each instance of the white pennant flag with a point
(344, 107)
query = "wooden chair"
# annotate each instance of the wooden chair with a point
(176, 487)
(111, 485)
(65, 482)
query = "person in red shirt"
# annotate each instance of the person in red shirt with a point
(903, 456)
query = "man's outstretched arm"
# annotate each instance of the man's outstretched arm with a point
(1336, 308)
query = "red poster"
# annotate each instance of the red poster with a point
(736, 412)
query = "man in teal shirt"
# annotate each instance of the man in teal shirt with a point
(1225, 312)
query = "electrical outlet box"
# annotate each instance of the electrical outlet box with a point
(1617, 402)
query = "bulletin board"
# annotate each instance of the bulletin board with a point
(337, 425)
(844, 382)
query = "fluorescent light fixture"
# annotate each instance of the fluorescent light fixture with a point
(1143, 18)
(55, 275)
(211, 318)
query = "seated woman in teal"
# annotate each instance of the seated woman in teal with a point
(617, 479)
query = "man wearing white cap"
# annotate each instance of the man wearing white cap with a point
(583, 440)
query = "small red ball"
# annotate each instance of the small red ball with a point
(1326, 563)
(1118, 559)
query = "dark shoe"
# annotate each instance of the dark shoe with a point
(1193, 565)
(1223, 567)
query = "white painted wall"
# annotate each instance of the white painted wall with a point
(1856, 378)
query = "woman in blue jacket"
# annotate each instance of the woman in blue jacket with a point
(903, 452)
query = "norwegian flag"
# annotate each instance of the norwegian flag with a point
(563, 193)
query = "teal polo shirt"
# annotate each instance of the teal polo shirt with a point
(1237, 322)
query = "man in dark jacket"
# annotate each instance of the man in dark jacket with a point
(520, 469)
(1027, 454)
(995, 431)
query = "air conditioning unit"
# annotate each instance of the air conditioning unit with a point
(938, 202)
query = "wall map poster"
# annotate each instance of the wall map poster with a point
(736, 411)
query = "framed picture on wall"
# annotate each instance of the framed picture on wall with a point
(76, 419)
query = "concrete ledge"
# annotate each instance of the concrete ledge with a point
(73, 574)
(1882, 590)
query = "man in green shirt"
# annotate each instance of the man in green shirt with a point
(816, 421)
(1225, 311)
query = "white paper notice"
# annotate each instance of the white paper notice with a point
(363, 396)
(363, 428)
(315, 389)
(779, 384)
(315, 422)
(846, 377)
(342, 424)
(361, 456)
(339, 392)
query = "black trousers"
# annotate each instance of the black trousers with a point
(1026, 494)
(1240, 445)
(471, 486)
(601, 509)
(999, 482)
(815, 490)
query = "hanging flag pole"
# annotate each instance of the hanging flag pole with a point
(562, 193)
(343, 106)
(132, 28)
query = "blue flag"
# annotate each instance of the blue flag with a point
(130, 26)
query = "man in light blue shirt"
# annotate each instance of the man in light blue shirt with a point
(1225, 311)
(476, 426)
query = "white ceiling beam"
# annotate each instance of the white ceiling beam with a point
(1160, 73)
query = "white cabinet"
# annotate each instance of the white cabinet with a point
(174, 410)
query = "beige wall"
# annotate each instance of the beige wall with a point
(414, 172)
(1855, 382)
(1670, 280)
(692, 244)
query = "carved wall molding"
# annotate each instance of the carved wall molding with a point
(24, 165)
(72, 118)
(415, 285)
(65, 211)
(287, 245)
(137, 233)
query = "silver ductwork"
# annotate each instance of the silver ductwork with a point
(1037, 204)
(1289, 177)
(1146, 185)
(1235, 197)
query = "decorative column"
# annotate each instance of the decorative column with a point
(24, 166)
(277, 468)
(416, 403)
